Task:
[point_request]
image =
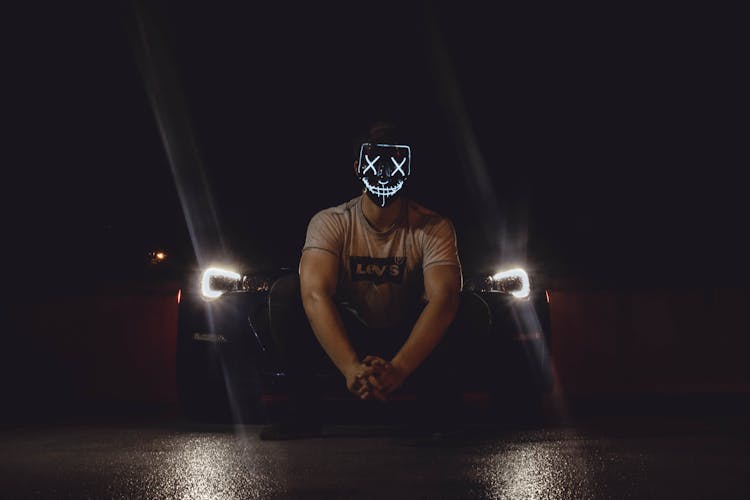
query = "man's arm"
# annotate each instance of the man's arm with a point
(318, 271)
(442, 287)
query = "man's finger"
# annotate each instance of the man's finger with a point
(358, 383)
(374, 382)
(378, 366)
(377, 394)
(373, 360)
(364, 371)
(380, 395)
(368, 390)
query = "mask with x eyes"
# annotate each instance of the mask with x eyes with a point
(383, 170)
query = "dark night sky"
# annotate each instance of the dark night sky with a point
(612, 140)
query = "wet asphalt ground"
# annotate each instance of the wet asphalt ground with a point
(596, 456)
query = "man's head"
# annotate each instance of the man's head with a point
(383, 163)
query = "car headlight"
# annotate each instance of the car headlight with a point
(215, 282)
(513, 281)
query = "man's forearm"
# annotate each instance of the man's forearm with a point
(326, 323)
(427, 333)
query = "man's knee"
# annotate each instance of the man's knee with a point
(286, 315)
(471, 324)
(473, 318)
(285, 290)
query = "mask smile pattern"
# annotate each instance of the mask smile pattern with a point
(382, 190)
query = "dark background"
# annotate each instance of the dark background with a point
(597, 145)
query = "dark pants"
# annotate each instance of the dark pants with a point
(436, 382)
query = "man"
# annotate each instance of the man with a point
(380, 281)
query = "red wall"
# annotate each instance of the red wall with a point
(116, 346)
(119, 346)
(651, 342)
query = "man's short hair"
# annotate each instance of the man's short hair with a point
(381, 131)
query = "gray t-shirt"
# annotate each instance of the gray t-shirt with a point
(380, 273)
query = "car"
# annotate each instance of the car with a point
(229, 369)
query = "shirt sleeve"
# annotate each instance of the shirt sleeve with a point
(440, 246)
(324, 232)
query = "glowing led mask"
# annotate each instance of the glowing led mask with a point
(383, 170)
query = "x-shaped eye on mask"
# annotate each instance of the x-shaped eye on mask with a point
(399, 166)
(371, 164)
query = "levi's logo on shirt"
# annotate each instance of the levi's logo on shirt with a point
(377, 270)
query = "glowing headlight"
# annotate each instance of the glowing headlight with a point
(515, 281)
(215, 282)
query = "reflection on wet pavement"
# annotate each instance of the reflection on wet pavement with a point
(169, 461)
